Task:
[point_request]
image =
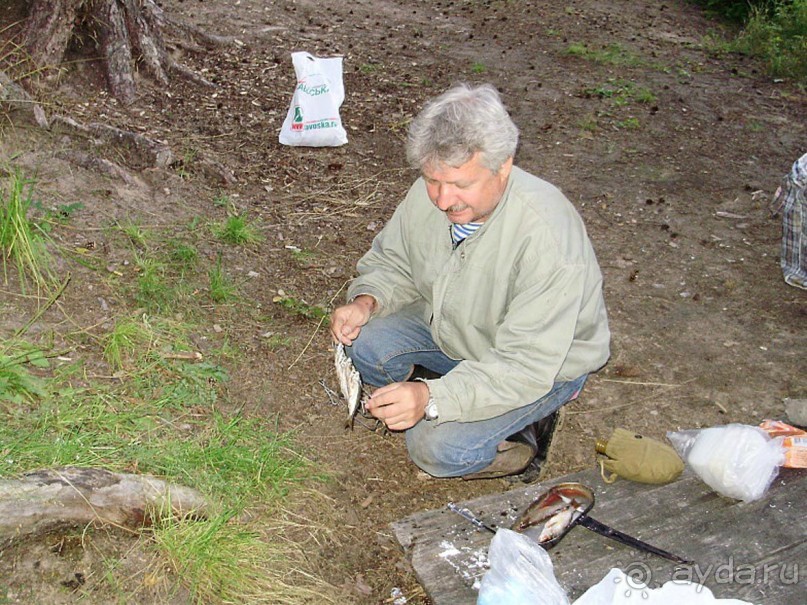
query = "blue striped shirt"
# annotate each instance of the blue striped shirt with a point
(460, 232)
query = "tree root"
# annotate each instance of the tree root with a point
(140, 151)
(128, 33)
(15, 98)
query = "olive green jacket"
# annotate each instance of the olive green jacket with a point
(519, 301)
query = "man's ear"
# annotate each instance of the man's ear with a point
(504, 171)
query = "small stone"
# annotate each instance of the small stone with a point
(217, 329)
(796, 410)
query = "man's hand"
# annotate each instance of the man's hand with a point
(400, 405)
(347, 321)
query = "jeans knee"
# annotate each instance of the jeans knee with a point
(441, 459)
(432, 462)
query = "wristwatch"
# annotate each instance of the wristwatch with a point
(431, 409)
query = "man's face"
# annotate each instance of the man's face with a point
(469, 193)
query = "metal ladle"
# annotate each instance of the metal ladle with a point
(557, 510)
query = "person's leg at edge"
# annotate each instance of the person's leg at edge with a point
(388, 348)
(454, 449)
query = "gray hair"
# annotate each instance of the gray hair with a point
(459, 123)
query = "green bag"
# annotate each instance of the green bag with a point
(632, 456)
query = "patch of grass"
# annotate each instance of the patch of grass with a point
(18, 384)
(237, 230)
(153, 290)
(221, 288)
(221, 560)
(755, 125)
(773, 30)
(621, 92)
(612, 54)
(588, 123)
(299, 307)
(276, 341)
(303, 257)
(735, 11)
(166, 423)
(183, 166)
(182, 253)
(128, 337)
(23, 244)
(63, 213)
(478, 68)
(643, 95)
(194, 223)
(232, 456)
(145, 425)
(222, 200)
(135, 233)
(368, 68)
(630, 123)
(778, 36)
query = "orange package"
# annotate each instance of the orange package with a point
(794, 442)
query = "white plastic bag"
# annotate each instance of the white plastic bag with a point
(617, 588)
(313, 117)
(520, 573)
(735, 460)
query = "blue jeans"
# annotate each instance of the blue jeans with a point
(387, 350)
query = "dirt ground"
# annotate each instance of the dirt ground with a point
(674, 189)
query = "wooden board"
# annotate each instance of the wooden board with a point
(751, 551)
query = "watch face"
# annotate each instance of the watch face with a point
(431, 410)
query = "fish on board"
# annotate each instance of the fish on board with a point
(552, 514)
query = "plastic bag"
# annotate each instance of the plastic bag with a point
(791, 200)
(313, 117)
(520, 573)
(735, 460)
(617, 588)
(794, 442)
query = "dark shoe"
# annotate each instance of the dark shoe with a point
(544, 431)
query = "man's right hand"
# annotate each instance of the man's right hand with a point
(347, 321)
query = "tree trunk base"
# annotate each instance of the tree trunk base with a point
(128, 32)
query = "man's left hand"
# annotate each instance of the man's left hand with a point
(400, 405)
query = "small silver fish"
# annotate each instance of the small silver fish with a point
(556, 525)
(349, 382)
(555, 512)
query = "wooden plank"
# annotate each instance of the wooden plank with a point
(751, 551)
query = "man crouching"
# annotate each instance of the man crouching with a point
(484, 277)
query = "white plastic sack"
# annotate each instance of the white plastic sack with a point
(735, 460)
(520, 573)
(313, 117)
(616, 588)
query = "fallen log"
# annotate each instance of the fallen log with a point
(50, 499)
